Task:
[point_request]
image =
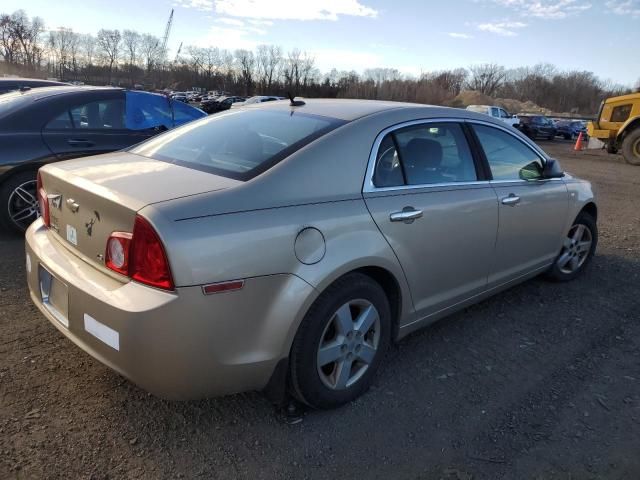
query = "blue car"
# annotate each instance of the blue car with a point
(44, 125)
(570, 129)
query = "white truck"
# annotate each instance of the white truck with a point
(495, 112)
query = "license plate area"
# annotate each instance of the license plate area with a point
(54, 295)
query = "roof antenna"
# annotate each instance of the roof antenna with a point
(294, 103)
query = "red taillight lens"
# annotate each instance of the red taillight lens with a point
(117, 254)
(147, 259)
(43, 202)
(140, 255)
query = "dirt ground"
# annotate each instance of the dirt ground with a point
(542, 381)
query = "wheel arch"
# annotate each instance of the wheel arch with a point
(629, 126)
(592, 209)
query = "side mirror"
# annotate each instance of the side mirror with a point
(552, 169)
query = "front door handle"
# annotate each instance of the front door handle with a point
(512, 200)
(407, 215)
(76, 142)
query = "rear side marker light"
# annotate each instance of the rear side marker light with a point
(222, 287)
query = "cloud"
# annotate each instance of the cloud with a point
(203, 5)
(229, 38)
(465, 36)
(506, 29)
(547, 9)
(624, 7)
(231, 21)
(292, 9)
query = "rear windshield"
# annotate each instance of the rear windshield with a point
(238, 145)
(10, 102)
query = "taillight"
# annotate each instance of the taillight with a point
(140, 255)
(43, 202)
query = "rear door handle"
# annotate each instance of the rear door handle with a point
(512, 200)
(407, 215)
(78, 142)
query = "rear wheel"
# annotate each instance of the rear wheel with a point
(18, 202)
(631, 147)
(340, 343)
(577, 249)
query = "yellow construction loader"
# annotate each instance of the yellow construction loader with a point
(618, 126)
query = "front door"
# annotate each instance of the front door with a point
(533, 212)
(436, 212)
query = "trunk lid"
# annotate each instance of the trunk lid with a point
(92, 197)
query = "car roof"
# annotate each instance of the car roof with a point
(40, 93)
(346, 109)
(36, 81)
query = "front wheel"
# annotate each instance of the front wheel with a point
(340, 343)
(631, 147)
(577, 249)
(18, 202)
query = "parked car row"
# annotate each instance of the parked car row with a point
(534, 125)
(43, 125)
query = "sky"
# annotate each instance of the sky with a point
(412, 36)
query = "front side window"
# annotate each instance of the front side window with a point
(504, 114)
(508, 157)
(240, 144)
(424, 154)
(621, 113)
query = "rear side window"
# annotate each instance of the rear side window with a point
(508, 157)
(239, 144)
(424, 154)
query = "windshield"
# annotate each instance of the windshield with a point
(240, 144)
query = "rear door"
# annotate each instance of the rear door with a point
(533, 212)
(91, 126)
(435, 209)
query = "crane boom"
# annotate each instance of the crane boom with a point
(165, 39)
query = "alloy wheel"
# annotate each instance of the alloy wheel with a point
(575, 250)
(349, 344)
(23, 204)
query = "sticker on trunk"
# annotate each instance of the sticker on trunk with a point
(72, 235)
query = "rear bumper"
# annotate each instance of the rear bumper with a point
(179, 345)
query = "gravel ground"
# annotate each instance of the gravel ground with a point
(542, 381)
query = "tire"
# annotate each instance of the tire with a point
(14, 201)
(631, 147)
(352, 298)
(565, 268)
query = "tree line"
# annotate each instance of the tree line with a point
(132, 59)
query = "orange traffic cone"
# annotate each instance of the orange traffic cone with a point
(578, 145)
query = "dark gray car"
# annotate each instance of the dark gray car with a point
(46, 125)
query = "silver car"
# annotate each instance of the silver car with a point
(288, 244)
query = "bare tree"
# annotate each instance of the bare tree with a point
(19, 39)
(60, 42)
(149, 50)
(131, 43)
(109, 44)
(486, 78)
(88, 48)
(246, 64)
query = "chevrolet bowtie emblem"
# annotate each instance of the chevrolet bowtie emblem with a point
(56, 200)
(73, 205)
